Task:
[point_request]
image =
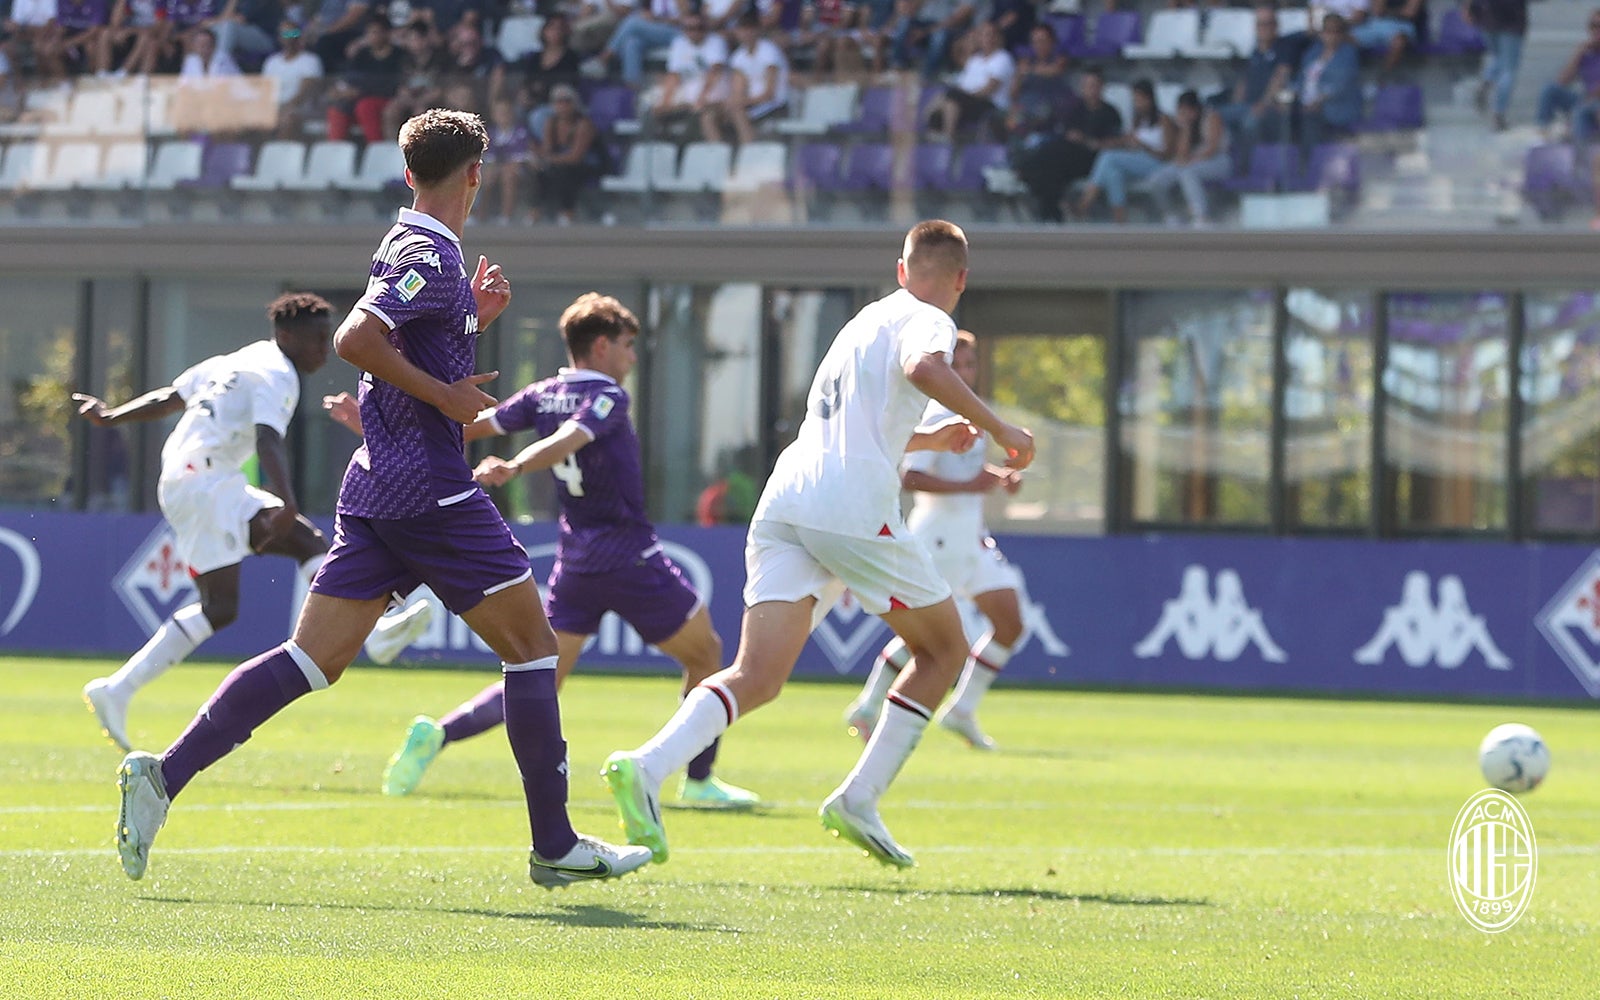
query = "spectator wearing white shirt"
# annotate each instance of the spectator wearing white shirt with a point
(697, 70)
(983, 90)
(205, 60)
(294, 67)
(33, 24)
(759, 86)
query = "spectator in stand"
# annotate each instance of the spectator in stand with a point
(447, 14)
(570, 153)
(650, 28)
(1504, 24)
(247, 28)
(1329, 87)
(336, 25)
(929, 26)
(422, 72)
(1129, 158)
(371, 76)
(33, 28)
(1042, 70)
(535, 73)
(595, 21)
(821, 39)
(1015, 19)
(1575, 91)
(82, 23)
(1049, 159)
(296, 70)
(1387, 26)
(697, 71)
(469, 57)
(139, 39)
(187, 17)
(1199, 155)
(982, 93)
(205, 60)
(1041, 103)
(759, 86)
(1254, 111)
(507, 158)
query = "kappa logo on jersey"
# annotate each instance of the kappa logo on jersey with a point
(1210, 628)
(602, 407)
(1571, 624)
(27, 579)
(846, 632)
(154, 582)
(410, 284)
(1443, 633)
(431, 258)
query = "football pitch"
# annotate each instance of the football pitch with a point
(1118, 845)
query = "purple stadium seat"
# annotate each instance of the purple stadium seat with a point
(870, 167)
(1455, 36)
(930, 166)
(1273, 167)
(816, 168)
(1395, 107)
(1334, 167)
(1069, 29)
(970, 166)
(1112, 30)
(609, 105)
(873, 115)
(220, 163)
(1549, 178)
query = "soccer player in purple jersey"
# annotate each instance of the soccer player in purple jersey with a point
(608, 557)
(409, 513)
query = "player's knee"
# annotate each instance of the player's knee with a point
(220, 612)
(1007, 629)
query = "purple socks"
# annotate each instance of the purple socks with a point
(482, 713)
(533, 725)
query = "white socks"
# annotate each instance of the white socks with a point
(885, 669)
(702, 716)
(983, 666)
(175, 639)
(302, 585)
(893, 738)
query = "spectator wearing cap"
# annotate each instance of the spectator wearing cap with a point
(759, 85)
(570, 154)
(296, 71)
(1576, 89)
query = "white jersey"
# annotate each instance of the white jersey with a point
(957, 513)
(224, 398)
(842, 473)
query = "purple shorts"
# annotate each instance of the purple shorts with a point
(464, 552)
(651, 595)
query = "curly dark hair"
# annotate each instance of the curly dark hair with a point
(298, 310)
(592, 316)
(438, 142)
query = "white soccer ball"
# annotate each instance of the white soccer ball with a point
(1514, 758)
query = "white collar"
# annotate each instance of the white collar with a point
(422, 220)
(583, 375)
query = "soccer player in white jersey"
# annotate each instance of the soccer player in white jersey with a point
(947, 517)
(233, 405)
(829, 519)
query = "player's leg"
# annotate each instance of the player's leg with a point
(172, 642)
(698, 648)
(989, 656)
(426, 736)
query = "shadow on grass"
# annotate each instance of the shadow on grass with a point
(1012, 892)
(564, 915)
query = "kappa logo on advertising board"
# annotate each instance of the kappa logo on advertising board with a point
(1207, 627)
(615, 637)
(154, 582)
(1426, 632)
(1571, 624)
(19, 588)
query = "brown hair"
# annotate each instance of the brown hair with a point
(437, 143)
(592, 316)
(937, 245)
(297, 311)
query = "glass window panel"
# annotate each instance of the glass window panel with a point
(1561, 411)
(703, 405)
(1446, 382)
(1196, 406)
(1327, 408)
(113, 376)
(38, 350)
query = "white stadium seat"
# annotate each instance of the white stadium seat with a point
(519, 36)
(279, 164)
(648, 163)
(1230, 33)
(329, 162)
(1293, 19)
(822, 106)
(1168, 34)
(759, 165)
(21, 166)
(705, 167)
(381, 164)
(124, 167)
(175, 160)
(75, 164)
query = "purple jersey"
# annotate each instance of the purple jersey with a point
(603, 522)
(412, 457)
(186, 13)
(80, 15)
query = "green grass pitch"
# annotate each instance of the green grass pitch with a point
(1119, 845)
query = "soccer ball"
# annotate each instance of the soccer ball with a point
(1514, 758)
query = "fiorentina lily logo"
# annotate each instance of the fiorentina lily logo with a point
(847, 632)
(1571, 624)
(154, 582)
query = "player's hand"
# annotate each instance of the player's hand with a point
(281, 522)
(955, 435)
(491, 289)
(1018, 445)
(1011, 481)
(91, 408)
(494, 471)
(463, 400)
(344, 410)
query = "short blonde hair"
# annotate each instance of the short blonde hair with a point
(935, 246)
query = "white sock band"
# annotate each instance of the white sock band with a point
(308, 666)
(542, 663)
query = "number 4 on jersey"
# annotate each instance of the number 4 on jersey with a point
(570, 475)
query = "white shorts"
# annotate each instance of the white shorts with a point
(210, 514)
(784, 562)
(972, 565)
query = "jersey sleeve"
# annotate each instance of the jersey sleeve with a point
(930, 331)
(604, 412)
(189, 381)
(272, 399)
(517, 413)
(414, 285)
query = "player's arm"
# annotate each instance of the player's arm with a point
(934, 378)
(153, 405)
(363, 340)
(986, 480)
(273, 456)
(542, 454)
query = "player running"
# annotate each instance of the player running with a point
(409, 513)
(828, 519)
(608, 557)
(947, 517)
(233, 405)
